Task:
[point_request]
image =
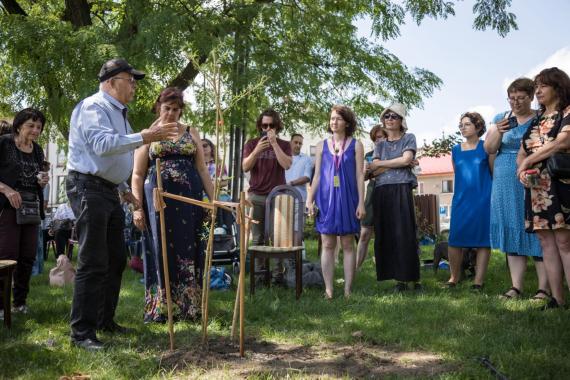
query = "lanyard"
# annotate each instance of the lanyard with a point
(338, 158)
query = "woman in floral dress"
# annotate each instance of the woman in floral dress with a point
(547, 199)
(183, 173)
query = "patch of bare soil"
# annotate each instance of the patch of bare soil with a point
(221, 360)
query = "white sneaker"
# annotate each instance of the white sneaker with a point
(22, 309)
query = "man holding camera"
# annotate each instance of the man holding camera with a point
(266, 157)
(100, 160)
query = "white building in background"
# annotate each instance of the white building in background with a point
(58, 172)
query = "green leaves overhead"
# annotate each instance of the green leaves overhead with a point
(308, 49)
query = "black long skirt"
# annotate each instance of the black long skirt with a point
(396, 244)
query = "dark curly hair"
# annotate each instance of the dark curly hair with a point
(348, 116)
(25, 115)
(559, 81)
(525, 85)
(477, 121)
(277, 123)
(5, 127)
(169, 94)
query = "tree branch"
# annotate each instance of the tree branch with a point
(188, 74)
(12, 7)
(78, 12)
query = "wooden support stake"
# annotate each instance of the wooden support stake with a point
(206, 275)
(243, 250)
(165, 256)
(246, 224)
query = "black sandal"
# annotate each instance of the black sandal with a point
(449, 285)
(538, 292)
(506, 294)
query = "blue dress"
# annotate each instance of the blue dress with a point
(471, 205)
(185, 235)
(337, 205)
(507, 198)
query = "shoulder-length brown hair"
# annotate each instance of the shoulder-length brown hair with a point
(477, 121)
(348, 116)
(559, 81)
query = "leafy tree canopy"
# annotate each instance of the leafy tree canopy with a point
(308, 51)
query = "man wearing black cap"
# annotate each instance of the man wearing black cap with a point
(99, 161)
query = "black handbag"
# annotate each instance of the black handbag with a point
(29, 211)
(558, 166)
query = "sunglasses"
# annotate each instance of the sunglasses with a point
(392, 116)
(205, 145)
(267, 125)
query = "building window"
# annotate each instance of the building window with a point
(447, 186)
(421, 188)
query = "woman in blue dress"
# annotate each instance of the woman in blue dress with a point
(471, 205)
(184, 173)
(507, 197)
(338, 191)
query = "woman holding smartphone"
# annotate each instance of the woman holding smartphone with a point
(507, 195)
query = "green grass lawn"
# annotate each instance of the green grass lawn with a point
(521, 342)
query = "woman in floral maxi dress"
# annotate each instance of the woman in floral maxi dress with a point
(547, 199)
(183, 173)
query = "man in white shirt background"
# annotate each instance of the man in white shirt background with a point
(299, 174)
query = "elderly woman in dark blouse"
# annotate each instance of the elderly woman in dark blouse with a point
(20, 162)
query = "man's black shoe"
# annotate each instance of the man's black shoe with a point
(114, 328)
(88, 344)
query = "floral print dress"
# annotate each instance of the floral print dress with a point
(185, 233)
(547, 205)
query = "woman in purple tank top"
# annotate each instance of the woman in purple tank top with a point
(338, 191)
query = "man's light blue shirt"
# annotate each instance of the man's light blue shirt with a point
(101, 141)
(302, 166)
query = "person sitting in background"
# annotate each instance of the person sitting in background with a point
(471, 205)
(61, 227)
(507, 195)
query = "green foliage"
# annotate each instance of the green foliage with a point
(308, 49)
(441, 146)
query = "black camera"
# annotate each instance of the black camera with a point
(513, 123)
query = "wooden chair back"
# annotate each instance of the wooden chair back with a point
(284, 217)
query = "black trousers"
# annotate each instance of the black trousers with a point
(61, 240)
(19, 243)
(102, 254)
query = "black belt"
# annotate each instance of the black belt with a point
(93, 178)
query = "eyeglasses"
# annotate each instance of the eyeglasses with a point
(270, 125)
(461, 126)
(392, 116)
(520, 99)
(130, 80)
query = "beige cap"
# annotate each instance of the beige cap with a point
(398, 109)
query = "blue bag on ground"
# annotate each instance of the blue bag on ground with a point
(219, 279)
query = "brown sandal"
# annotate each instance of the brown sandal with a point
(506, 294)
(537, 297)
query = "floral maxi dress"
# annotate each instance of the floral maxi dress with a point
(185, 234)
(547, 205)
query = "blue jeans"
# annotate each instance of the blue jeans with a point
(38, 267)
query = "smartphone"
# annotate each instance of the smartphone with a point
(263, 134)
(513, 122)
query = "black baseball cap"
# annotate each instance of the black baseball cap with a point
(118, 65)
